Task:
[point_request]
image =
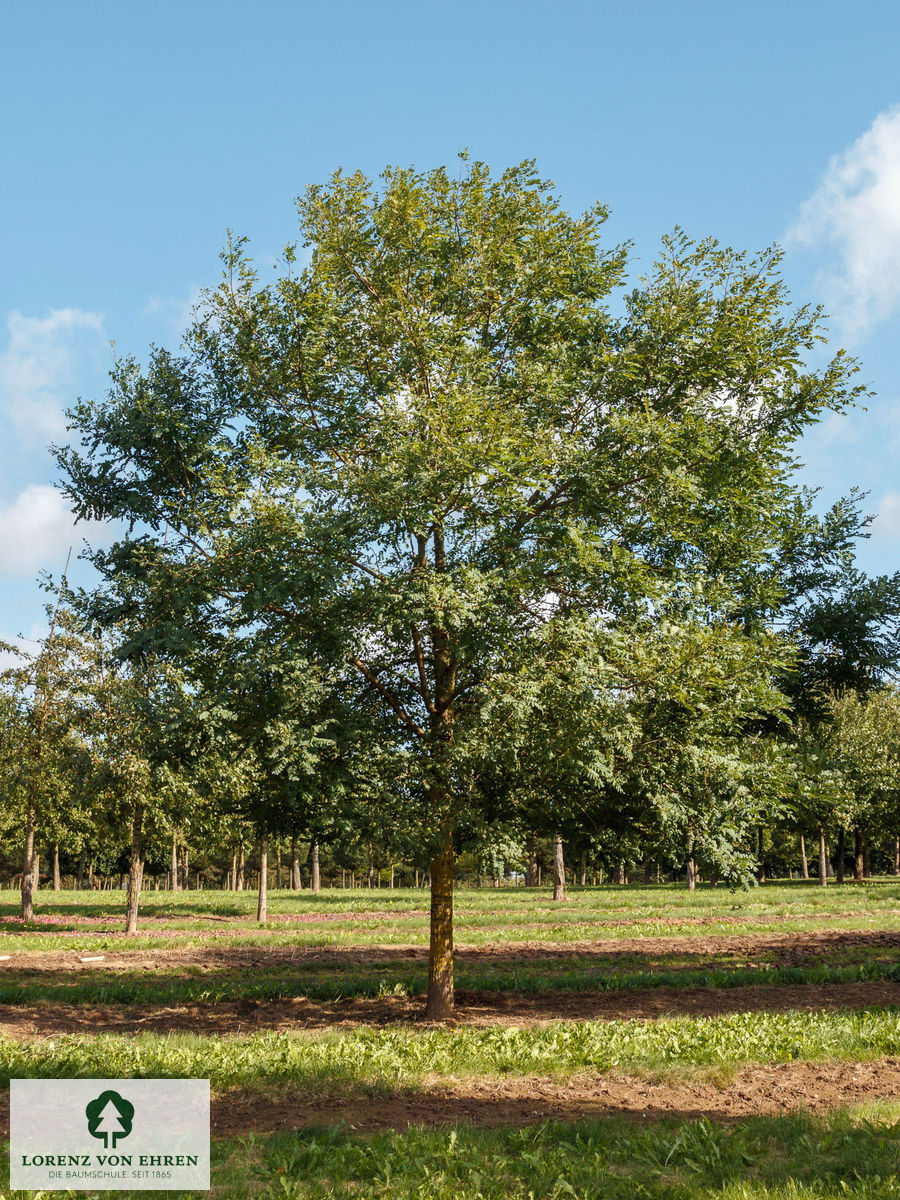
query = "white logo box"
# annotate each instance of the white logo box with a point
(102, 1134)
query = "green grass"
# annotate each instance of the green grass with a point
(383, 1059)
(841, 1155)
(192, 984)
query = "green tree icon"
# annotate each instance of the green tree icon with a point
(109, 1116)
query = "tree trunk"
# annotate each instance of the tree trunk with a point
(232, 874)
(37, 872)
(760, 856)
(185, 869)
(240, 874)
(173, 865)
(296, 882)
(691, 874)
(648, 871)
(262, 907)
(823, 860)
(57, 882)
(897, 855)
(278, 866)
(841, 854)
(315, 879)
(621, 872)
(91, 880)
(858, 865)
(531, 864)
(582, 874)
(559, 869)
(135, 871)
(80, 879)
(28, 867)
(867, 864)
(804, 865)
(439, 1006)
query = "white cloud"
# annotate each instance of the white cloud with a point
(855, 212)
(39, 365)
(886, 526)
(36, 530)
(175, 314)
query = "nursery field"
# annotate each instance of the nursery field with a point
(629, 1042)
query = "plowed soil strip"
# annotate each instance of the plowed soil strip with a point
(755, 1091)
(144, 957)
(473, 1008)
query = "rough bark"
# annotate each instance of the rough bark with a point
(691, 874)
(57, 882)
(28, 866)
(531, 867)
(135, 871)
(858, 864)
(897, 855)
(621, 872)
(173, 865)
(262, 906)
(240, 874)
(804, 864)
(440, 1004)
(278, 867)
(559, 869)
(823, 859)
(315, 878)
(296, 882)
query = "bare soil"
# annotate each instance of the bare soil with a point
(789, 947)
(473, 1008)
(754, 1091)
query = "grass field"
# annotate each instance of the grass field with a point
(634, 1042)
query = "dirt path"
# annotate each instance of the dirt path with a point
(473, 1008)
(755, 1091)
(789, 947)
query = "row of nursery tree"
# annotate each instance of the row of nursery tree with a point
(449, 551)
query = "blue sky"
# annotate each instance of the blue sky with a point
(134, 135)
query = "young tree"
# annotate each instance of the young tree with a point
(436, 439)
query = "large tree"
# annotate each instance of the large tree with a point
(448, 431)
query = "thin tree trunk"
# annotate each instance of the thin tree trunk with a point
(559, 869)
(232, 874)
(28, 867)
(91, 881)
(582, 878)
(278, 866)
(691, 874)
(804, 865)
(296, 882)
(439, 1005)
(240, 874)
(841, 854)
(897, 855)
(176, 882)
(648, 871)
(262, 907)
(823, 860)
(760, 856)
(80, 879)
(135, 871)
(867, 863)
(531, 874)
(57, 882)
(858, 865)
(315, 878)
(621, 872)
